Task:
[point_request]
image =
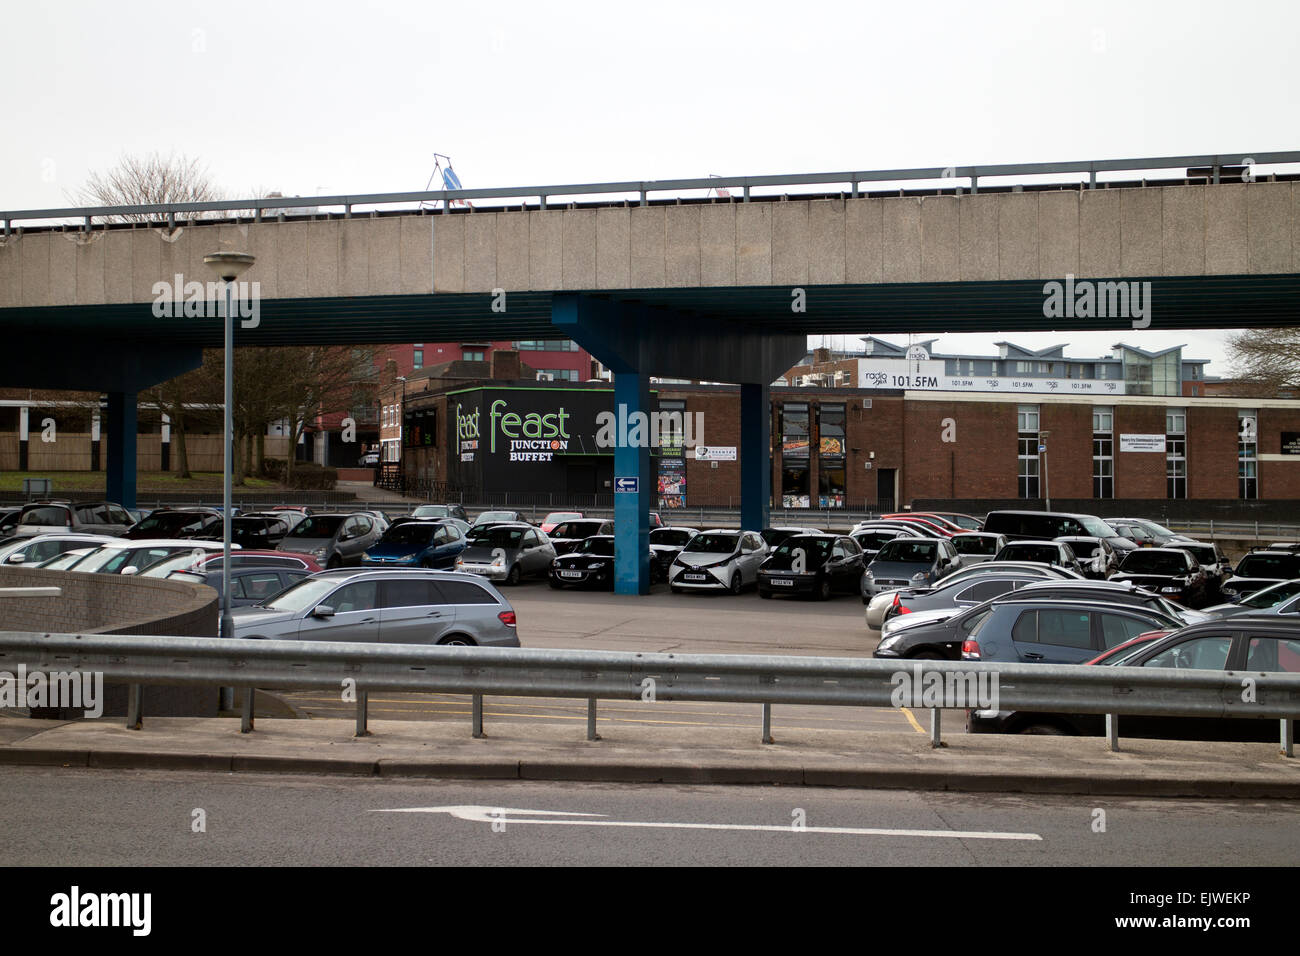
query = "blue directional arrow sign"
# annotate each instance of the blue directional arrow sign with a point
(627, 484)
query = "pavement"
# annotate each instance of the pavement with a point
(646, 754)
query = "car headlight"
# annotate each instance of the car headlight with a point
(1170, 590)
(888, 643)
(597, 564)
(920, 577)
(498, 562)
(410, 557)
(867, 574)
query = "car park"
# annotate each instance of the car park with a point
(394, 606)
(334, 540)
(812, 564)
(1041, 552)
(1261, 600)
(1170, 572)
(909, 562)
(665, 545)
(92, 517)
(977, 546)
(1057, 631)
(718, 559)
(176, 523)
(590, 565)
(248, 586)
(1263, 646)
(1045, 525)
(507, 552)
(417, 544)
(33, 551)
(567, 535)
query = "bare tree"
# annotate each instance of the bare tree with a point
(1265, 361)
(143, 180)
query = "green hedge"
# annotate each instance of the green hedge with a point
(307, 475)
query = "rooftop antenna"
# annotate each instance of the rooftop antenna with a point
(449, 181)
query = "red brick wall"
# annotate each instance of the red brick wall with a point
(1140, 474)
(1211, 452)
(1069, 449)
(982, 459)
(1278, 479)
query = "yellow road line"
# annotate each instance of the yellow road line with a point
(911, 719)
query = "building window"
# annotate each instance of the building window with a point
(1103, 452)
(1176, 452)
(831, 491)
(1027, 436)
(560, 374)
(1247, 453)
(472, 356)
(417, 359)
(547, 345)
(795, 490)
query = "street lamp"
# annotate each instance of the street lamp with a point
(228, 266)
(1047, 487)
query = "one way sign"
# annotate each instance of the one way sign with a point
(627, 484)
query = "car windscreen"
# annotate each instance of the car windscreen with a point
(432, 511)
(1096, 527)
(45, 517)
(1202, 555)
(318, 526)
(601, 546)
(1267, 566)
(410, 532)
(555, 517)
(909, 552)
(495, 537)
(975, 544)
(1033, 552)
(171, 522)
(576, 529)
(672, 537)
(713, 543)
(302, 595)
(179, 562)
(1273, 596)
(496, 516)
(811, 547)
(1147, 562)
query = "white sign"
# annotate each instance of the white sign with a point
(930, 376)
(1148, 443)
(918, 353)
(715, 452)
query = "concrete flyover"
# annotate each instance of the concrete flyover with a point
(719, 288)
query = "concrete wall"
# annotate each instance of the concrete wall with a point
(1158, 231)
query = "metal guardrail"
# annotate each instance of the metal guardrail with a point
(620, 675)
(960, 176)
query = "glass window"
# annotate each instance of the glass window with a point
(1247, 452)
(1026, 628)
(464, 592)
(1200, 653)
(410, 594)
(1065, 628)
(1116, 629)
(1176, 452)
(1273, 654)
(258, 586)
(358, 596)
(795, 470)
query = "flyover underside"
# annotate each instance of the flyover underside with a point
(1177, 302)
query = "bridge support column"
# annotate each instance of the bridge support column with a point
(632, 507)
(121, 448)
(755, 456)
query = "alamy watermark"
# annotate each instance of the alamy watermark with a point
(644, 429)
(945, 690)
(1086, 299)
(78, 690)
(198, 300)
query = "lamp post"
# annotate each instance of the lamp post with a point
(1047, 487)
(228, 266)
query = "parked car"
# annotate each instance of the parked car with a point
(32, 551)
(507, 552)
(1261, 600)
(567, 535)
(963, 521)
(392, 606)
(449, 510)
(417, 544)
(92, 517)
(931, 528)
(176, 523)
(665, 545)
(1044, 552)
(1159, 534)
(556, 517)
(1217, 568)
(930, 518)
(773, 537)
(870, 539)
(909, 562)
(718, 559)
(1057, 631)
(122, 556)
(248, 586)
(977, 546)
(8, 522)
(878, 606)
(247, 531)
(1045, 525)
(204, 562)
(65, 561)
(1245, 645)
(1171, 572)
(500, 517)
(590, 564)
(1135, 533)
(334, 539)
(812, 564)
(290, 517)
(1259, 569)
(957, 596)
(1098, 557)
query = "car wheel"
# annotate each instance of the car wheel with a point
(512, 576)
(736, 584)
(764, 594)
(457, 640)
(824, 590)
(1049, 729)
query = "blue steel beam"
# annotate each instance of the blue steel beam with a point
(755, 456)
(120, 484)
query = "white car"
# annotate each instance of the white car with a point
(718, 560)
(130, 557)
(42, 547)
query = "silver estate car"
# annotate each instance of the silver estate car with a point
(390, 606)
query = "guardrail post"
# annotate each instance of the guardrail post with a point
(362, 713)
(936, 731)
(1288, 737)
(476, 715)
(135, 707)
(767, 723)
(246, 717)
(1112, 732)
(591, 719)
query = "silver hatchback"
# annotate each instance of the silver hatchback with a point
(384, 606)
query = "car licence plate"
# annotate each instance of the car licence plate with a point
(570, 574)
(783, 582)
(695, 577)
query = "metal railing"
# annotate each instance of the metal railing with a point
(618, 675)
(957, 178)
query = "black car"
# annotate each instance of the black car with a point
(590, 565)
(1045, 525)
(774, 536)
(814, 564)
(1099, 557)
(246, 531)
(567, 535)
(665, 545)
(872, 538)
(1259, 569)
(176, 523)
(1239, 644)
(1217, 568)
(1170, 572)
(1056, 553)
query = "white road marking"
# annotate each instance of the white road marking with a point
(482, 814)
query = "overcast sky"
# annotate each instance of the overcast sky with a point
(333, 97)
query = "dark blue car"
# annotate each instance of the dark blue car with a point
(417, 544)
